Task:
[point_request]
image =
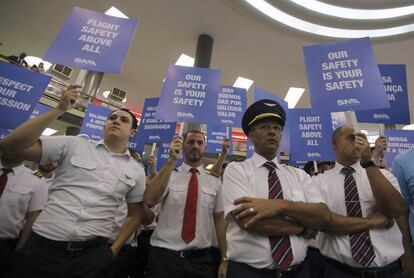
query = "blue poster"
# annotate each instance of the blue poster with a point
(216, 134)
(262, 94)
(394, 78)
(189, 95)
(152, 130)
(4, 132)
(249, 148)
(344, 76)
(398, 141)
(164, 154)
(231, 105)
(93, 41)
(39, 110)
(338, 119)
(94, 121)
(20, 91)
(310, 135)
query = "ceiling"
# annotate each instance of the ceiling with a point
(245, 43)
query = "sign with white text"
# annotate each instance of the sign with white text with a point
(231, 105)
(398, 141)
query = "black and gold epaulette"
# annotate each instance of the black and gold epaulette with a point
(39, 174)
(214, 175)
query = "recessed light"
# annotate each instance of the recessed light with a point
(115, 12)
(242, 82)
(185, 60)
(49, 131)
(408, 127)
(293, 95)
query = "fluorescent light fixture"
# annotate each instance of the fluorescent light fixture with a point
(364, 131)
(106, 94)
(293, 95)
(208, 167)
(33, 60)
(185, 60)
(336, 11)
(49, 131)
(408, 127)
(326, 31)
(242, 82)
(115, 12)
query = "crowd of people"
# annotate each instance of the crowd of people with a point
(91, 210)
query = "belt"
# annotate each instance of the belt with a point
(293, 270)
(187, 253)
(374, 272)
(70, 246)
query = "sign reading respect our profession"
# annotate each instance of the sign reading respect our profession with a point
(216, 135)
(164, 154)
(92, 41)
(94, 121)
(394, 78)
(189, 95)
(344, 76)
(39, 110)
(398, 141)
(310, 135)
(20, 91)
(231, 105)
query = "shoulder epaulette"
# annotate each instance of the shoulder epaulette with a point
(39, 174)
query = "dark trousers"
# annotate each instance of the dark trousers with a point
(118, 268)
(216, 257)
(316, 262)
(7, 258)
(41, 257)
(339, 270)
(241, 270)
(171, 264)
(140, 254)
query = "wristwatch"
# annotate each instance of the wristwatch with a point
(368, 163)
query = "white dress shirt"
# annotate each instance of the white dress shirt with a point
(250, 178)
(90, 184)
(387, 243)
(24, 192)
(167, 234)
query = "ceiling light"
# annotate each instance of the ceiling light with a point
(33, 60)
(242, 82)
(305, 26)
(364, 131)
(185, 60)
(115, 12)
(208, 167)
(408, 127)
(342, 12)
(49, 131)
(293, 95)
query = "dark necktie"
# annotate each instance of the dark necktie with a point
(3, 179)
(361, 246)
(190, 210)
(280, 245)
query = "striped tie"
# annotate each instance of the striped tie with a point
(361, 246)
(281, 248)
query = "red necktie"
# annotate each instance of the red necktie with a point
(3, 179)
(190, 211)
(280, 245)
(361, 246)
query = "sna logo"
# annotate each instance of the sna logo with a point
(85, 62)
(350, 101)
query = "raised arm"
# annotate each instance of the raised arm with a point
(24, 141)
(216, 169)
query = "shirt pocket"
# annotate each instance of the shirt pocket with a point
(82, 164)
(177, 194)
(208, 197)
(367, 200)
(19, 196)
(126, 181)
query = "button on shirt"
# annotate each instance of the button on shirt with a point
(90, 184)
(387, 243)
(403, 170)
(167, 234)
(23, 193)
(250, 178)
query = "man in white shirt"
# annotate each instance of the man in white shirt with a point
(71, 234)
(264, 204)
(357, 187)
(190, 200)
(22, 197)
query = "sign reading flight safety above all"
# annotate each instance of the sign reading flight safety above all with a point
(344, 76)
(92, 41)
(20, 91)
(189, 95)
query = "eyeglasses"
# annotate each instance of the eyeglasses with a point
(269, 127)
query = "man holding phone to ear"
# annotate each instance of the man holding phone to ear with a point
(71, 234)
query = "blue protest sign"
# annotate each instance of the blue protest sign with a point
(310, 135)
(92, 41)
(94, 121)
(398, 141)
(152, 130)
(20, 91)
(39, 110)
(338, 119)
(249, 149)
(189, 95)
(215, 138)
(231, 105)
(4, 132)
(344, 76)
(394, 78)
(164, 154)
(262, 94)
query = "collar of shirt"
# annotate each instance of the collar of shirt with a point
(338, 167)
(186, 168)
(17, 171)
(101, 143)
(259, 160)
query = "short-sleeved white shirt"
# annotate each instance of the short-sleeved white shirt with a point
(167, 234)
(90, 184)
(250, 178)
